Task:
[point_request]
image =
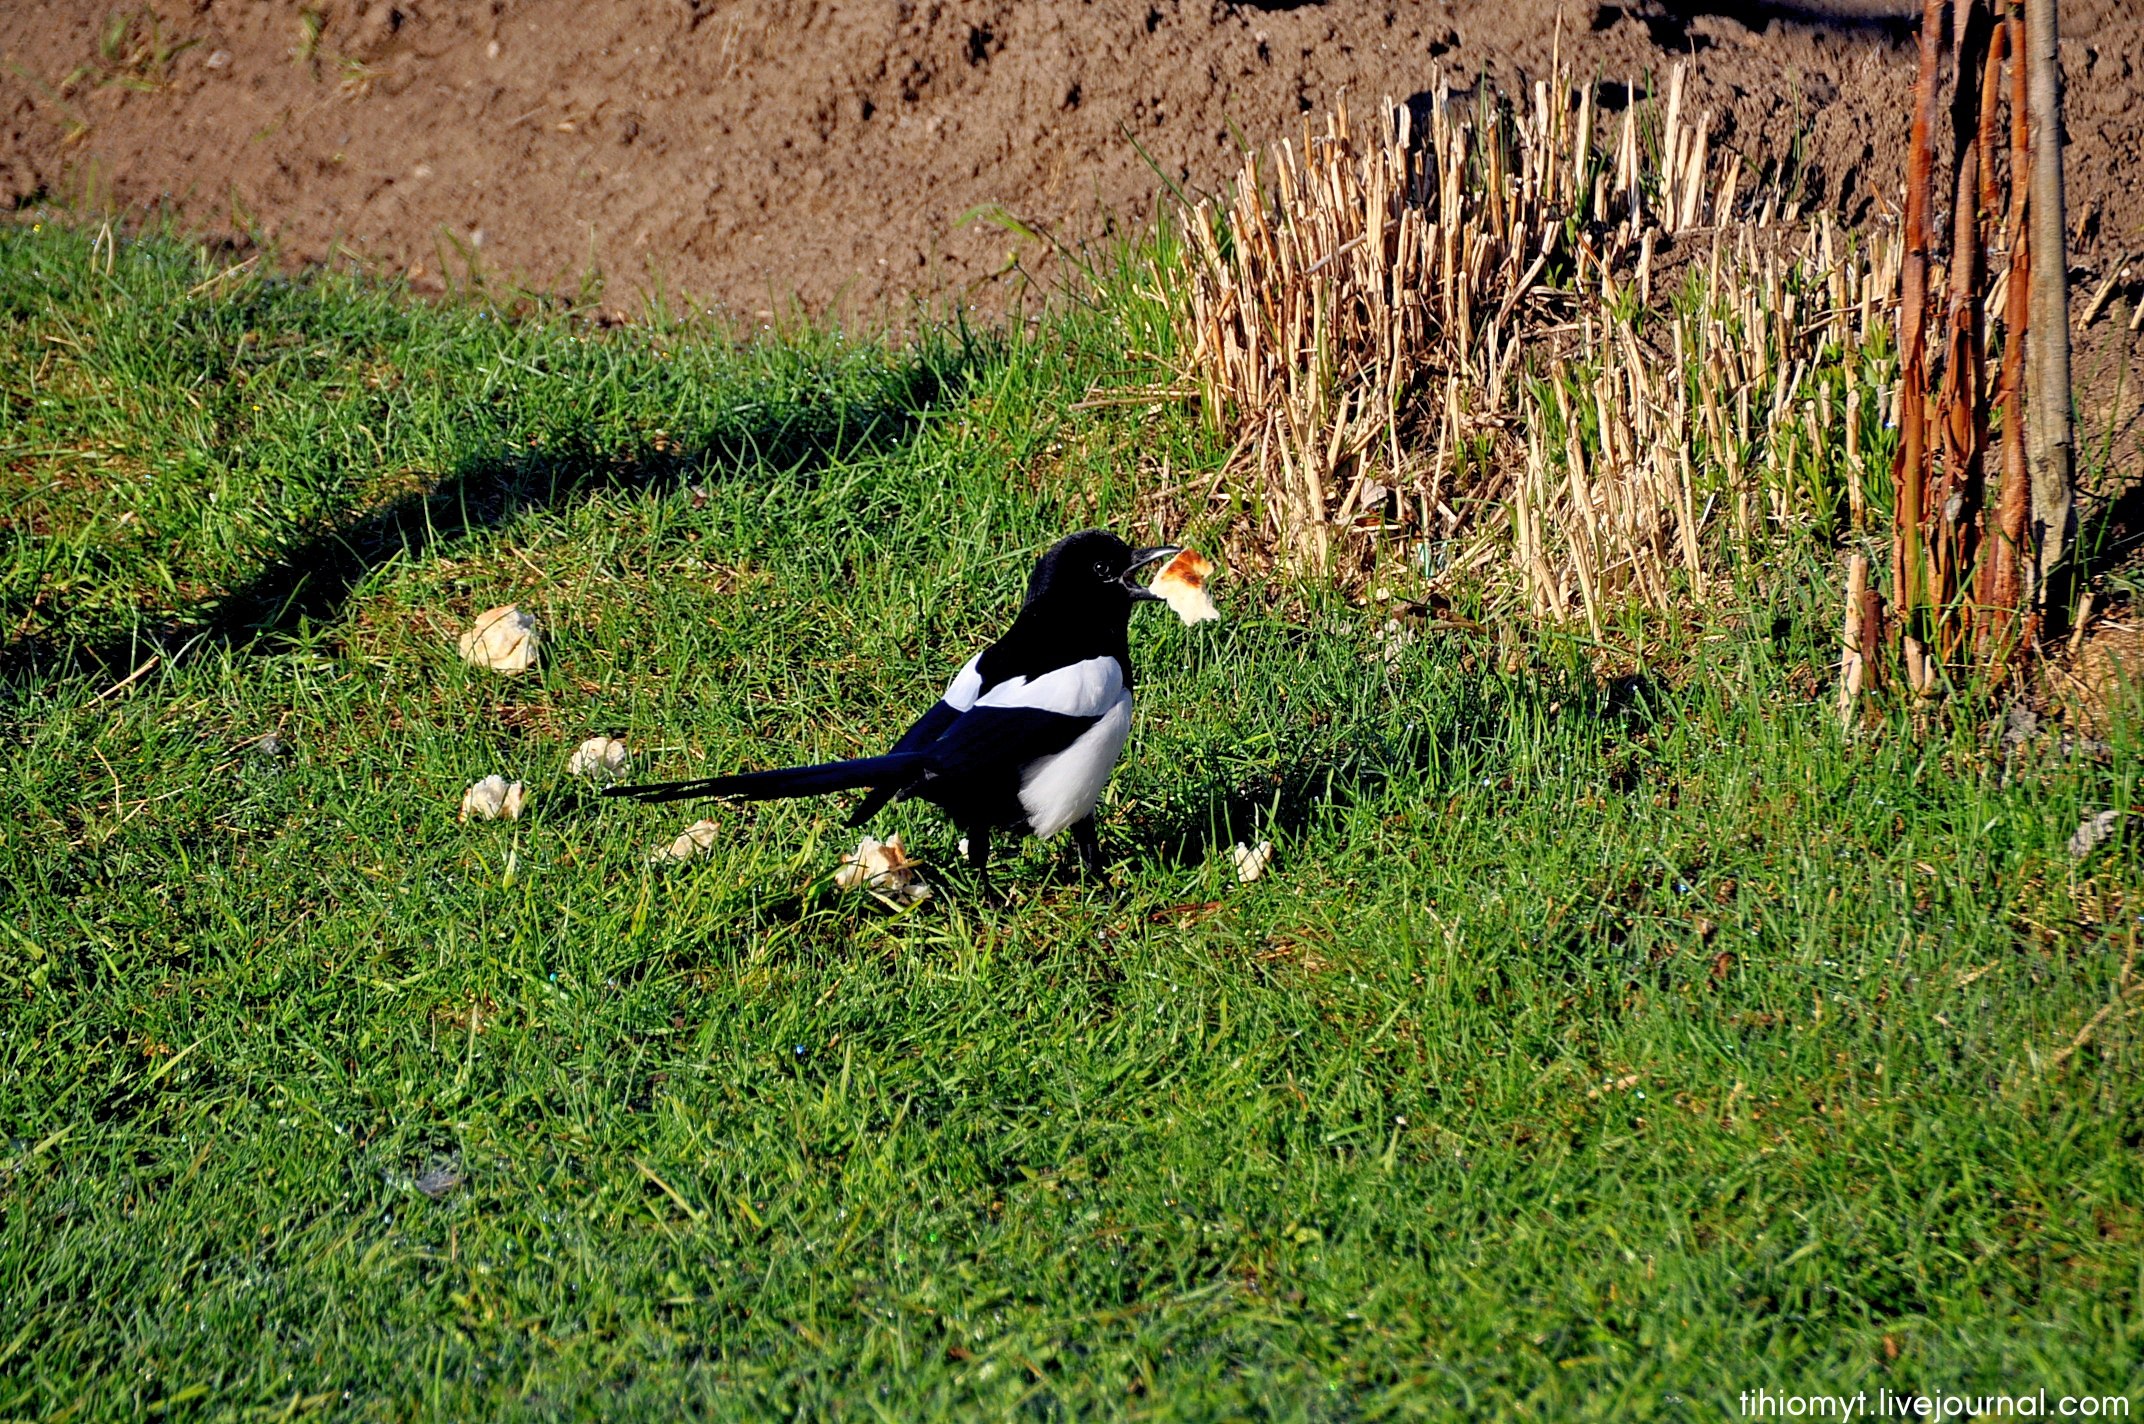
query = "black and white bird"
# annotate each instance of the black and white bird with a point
(1026, 734)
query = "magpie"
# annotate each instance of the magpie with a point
(1025, 735)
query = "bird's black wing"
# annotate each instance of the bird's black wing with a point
(927, 729)
(975, 764)
(996, 743)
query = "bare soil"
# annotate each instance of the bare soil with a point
(749, 153)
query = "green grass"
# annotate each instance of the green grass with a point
(1591, 1051)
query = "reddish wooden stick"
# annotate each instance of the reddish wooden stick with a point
(1908, 572)
(2006, 585)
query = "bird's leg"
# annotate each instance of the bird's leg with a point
(978, 837)
(1088, 842)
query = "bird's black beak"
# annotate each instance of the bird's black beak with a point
(1140, 559)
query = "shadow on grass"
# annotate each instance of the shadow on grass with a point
(311, 581)
(1220, 806)
(2110, 536)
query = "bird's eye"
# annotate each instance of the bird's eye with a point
(1101, 569)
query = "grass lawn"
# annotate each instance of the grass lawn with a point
(1592, 1050)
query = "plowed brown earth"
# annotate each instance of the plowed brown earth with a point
(744, 154)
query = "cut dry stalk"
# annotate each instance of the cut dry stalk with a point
(1854, 648)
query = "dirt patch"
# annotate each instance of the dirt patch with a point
(748, 153)
(2103, 676)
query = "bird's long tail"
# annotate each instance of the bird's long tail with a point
(893, 770)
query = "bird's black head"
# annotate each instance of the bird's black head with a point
(1092, 571)
(1079, 605)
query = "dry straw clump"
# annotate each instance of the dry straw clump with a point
(1355, 285)
(1442, 336)
(1748, 418)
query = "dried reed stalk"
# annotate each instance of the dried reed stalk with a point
(1854, 645)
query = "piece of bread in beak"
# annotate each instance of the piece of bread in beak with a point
(1182, 585)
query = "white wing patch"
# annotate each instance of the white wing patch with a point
(1057, 790)
(1082, 689)
(960, 692)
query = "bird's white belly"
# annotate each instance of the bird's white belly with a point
(1059, 789)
